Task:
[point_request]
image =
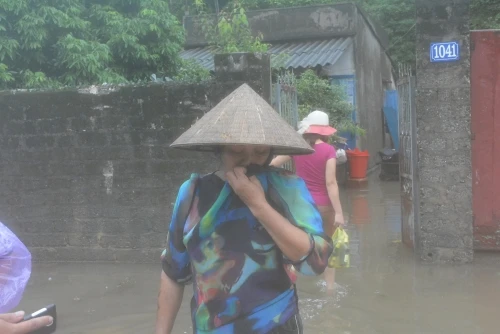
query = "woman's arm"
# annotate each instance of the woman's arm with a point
(293, 242)
(175, 261)
(298, 229)
(333, 190)
(280, 160)
(169, 302)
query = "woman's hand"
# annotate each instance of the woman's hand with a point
(249, 190)
(10, 323)
(339, 220)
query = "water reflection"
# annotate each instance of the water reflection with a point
(385, 291)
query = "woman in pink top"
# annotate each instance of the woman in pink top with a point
(319, 173)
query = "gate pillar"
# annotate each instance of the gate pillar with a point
(443, 131)
(234, 69)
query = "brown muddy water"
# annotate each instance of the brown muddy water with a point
(384, 292)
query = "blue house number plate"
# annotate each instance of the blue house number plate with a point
(445, 52)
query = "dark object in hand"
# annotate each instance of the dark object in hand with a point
(254, 169)
(48, 310)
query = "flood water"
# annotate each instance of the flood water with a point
(385, 291)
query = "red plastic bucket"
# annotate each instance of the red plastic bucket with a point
(358, 163)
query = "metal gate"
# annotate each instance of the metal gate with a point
(485, 128)
(284, 101)
(408, 157)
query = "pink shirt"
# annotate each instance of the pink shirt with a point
(311, 168)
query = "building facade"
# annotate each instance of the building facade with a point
(339, 41)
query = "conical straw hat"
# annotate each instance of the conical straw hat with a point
(243, 118)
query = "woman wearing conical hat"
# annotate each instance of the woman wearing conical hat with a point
(318, 170)
(234, 231)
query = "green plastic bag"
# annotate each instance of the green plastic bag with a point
(340, 256)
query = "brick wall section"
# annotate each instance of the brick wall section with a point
(88, 176)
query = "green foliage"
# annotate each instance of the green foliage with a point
(230, 31)
(278, 61)
(5, 75)
(38, 80)
(485, 14)
(397, 17)
(45, 43)
(226, 32)
(192, 72)
(264, 4)
(315, 93)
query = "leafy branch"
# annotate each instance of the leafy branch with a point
(46, 43)
(228, 31)
(315, 93)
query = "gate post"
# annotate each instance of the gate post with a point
(234, 69)
(443, 131)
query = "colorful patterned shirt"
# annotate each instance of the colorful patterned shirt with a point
(240, 281)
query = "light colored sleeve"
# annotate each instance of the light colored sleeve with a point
(290, 194)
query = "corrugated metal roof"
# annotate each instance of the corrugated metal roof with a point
(301, 54)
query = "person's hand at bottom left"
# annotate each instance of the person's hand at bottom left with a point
(10, 323)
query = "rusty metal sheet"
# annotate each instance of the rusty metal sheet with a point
(485, 128)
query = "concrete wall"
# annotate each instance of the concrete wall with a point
(87, 175)
(375, 26)
(232, 70)
(443, 135)
(279, 25)
(373, 67)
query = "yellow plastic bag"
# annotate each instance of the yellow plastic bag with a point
(340, 256)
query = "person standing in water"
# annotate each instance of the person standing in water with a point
(234, 232)
(318, 170)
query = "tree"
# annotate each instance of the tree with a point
(315, 93)
(228, 30)
(45, 43)
(485, 14)
(397, 17)
(191, 71)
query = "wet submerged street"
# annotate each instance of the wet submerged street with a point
(384, 292)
